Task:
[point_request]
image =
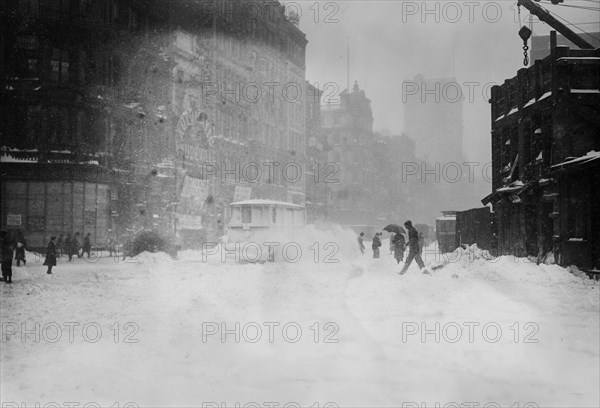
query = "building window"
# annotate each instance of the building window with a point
(86, 6)
(29, 8)
(577, 208)
(33, 125)
(59, 66)
(59, 127)
(134, 21)
(32, 67)
(27, 42)
(56, 8)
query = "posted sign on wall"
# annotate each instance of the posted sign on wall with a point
(13, 220)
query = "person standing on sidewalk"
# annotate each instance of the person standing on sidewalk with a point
(75, 245)
(399, 244)
(7, 257)
(87, 245)
(21, 244)
(50, 255)
(361, 244)
(375, 245)
(60, 246)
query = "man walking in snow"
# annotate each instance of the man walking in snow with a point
(69, 246)
(375, 245)
(75, 245)
(87, 245)
(361, 244)
(413, 248)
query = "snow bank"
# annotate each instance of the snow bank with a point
(355, 348)
(153, 258)
(473, 260)
(307, 245)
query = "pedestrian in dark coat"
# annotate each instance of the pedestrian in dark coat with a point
(361, 243)
(75, 245)
(20, 246)
(375, 245)
(413, 248)
(51, 255)
(399, 244)
(60, 246)
(7, 256)
(69, 246)
(87, 245)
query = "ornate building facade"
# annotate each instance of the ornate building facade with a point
(119, 115)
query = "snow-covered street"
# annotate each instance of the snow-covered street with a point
(159, 332)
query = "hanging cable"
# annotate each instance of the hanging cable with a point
(579, 7)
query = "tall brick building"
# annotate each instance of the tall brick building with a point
(348, 127)
(545, 158)
(110, 107)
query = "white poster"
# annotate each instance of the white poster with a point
(13, 220)
(190, 222)
(241, 193)
(192, 200)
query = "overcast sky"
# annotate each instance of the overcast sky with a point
(394, 40)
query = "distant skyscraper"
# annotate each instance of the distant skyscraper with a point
(433, 118)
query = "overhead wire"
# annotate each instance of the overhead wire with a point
(573, 24)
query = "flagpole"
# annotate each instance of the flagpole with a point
(348, 64)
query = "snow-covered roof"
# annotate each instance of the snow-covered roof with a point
(446, 218)
(585, 91)
(514, 186)
(267, 202)
(10, 159)
(579, 59)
